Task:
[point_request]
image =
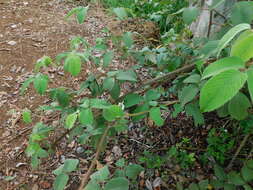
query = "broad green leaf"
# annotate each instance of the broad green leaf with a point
(242, 13)
(61, 181)
(127, 76)
(73, 64)
(139, 109)
(243, 47)
(99, 103)
(193, 186)
(101, 175)
(108, 83)
(247, 173)
(195, 78)
(120, 12)
(128, 39)
(70, 120)
(210, 48)
(26, 115)
(247, 187)
(107, 58)
(220, 173)
(250, 82)
(115, 92)
(26, 84)
(120, 163)
(223, 65)
(220, 89)
(86, 116)
(249, 164)
(229, 186)
(119, 183)
(155, 115)
(113, 112)
(152, 95)
(190, 14)
(187, 94)
(93, 185)
(62, 97)
(235, 178)
(203, 185)
(40, 83)
(223, 111)
(193, 110)
(59, 170)
(45, 61)
(216, 4)
(238, 106)
(230, 35)
(70, 165)
(81, 14)
(133, 170)
(131, 100)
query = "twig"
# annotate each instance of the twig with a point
(86, 177)
(238, 151)
(165, 78)
(5, 49)
(210, 24)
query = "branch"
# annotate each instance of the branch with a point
(94, 161)
(238, 151)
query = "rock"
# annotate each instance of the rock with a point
(12, 43)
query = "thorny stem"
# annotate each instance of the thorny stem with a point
(86, 176)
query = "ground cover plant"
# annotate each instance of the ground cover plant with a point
(200, 79)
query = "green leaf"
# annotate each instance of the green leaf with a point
(190, 14)
(216, 4)
(107, 58)
(220, 173)
(81, 14)
(62, 97)
(120, 12)
(108, 83)
(120, 163)
(73, 64)
(26, 115)
(26, 84)
(119, 183)
(223, 65)
(247, 187)
(115, 92)
(195, 78)
(250, 83)
(155, 115)
(113, 112)
(223, 111)
(247, 173)
(70, 165)
(61, 181)
(230, 35)
(131, 100)
(243, 46)
(220, 89)
(127, 76)
(99, 103)
(187, 94)
(203, 185)
(152, 95)
(133, 170)
(193, 186)
(70, 120)
(238, 106)
(40, 83)
(242, 13)
(193, 110)
(141, 108)
(128, 40)
(101, 175)
(249, 164)
(45, 61)
(235, 178)
(86, 117)
(92, 185)
(229, 187)
(210, 48)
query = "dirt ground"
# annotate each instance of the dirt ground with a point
(30, 29)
